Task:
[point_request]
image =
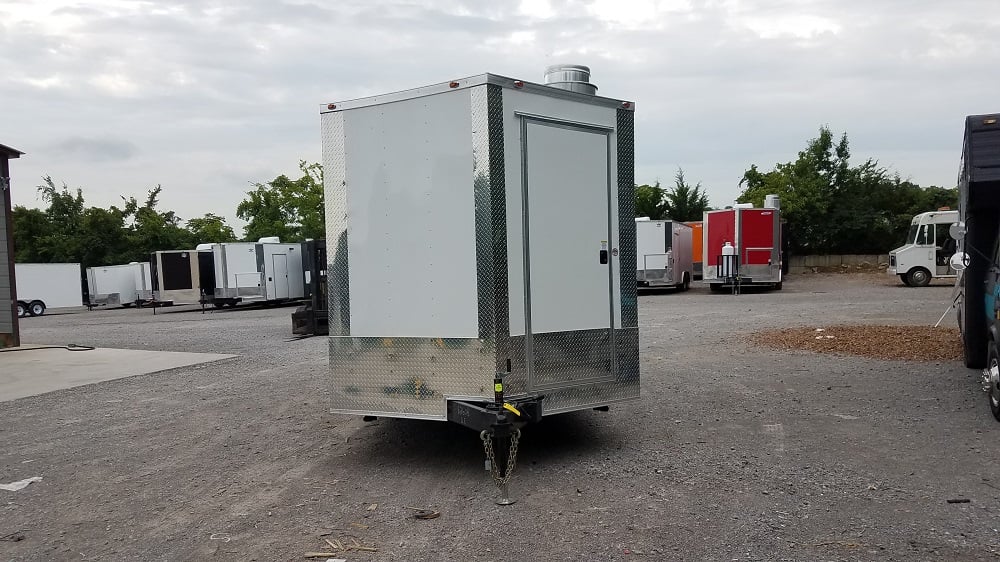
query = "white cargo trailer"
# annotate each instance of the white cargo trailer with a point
(41, 286)
(283, 273)
(477, 230)
(119, 285)
(663, 253)
(266, 271)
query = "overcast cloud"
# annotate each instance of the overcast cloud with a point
(117, 96)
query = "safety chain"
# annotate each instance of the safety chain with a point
(487, 437)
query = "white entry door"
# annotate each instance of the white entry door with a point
(280, 274)
(570, 252)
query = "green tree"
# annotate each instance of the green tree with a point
(65, 216)
(684, 202)
(649, 201)
(104, 239)
(832, 207)
(210, 229)
(289, 209)
(152, 229)
(30, 228)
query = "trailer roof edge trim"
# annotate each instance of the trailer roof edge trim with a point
(473, 81)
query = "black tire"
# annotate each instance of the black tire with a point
(993, 392)
(902, 278)
(22, 309)
(36, 308)
(716, 287)
(778, 285)
(686, 283)
(218, 304)
(918, 277)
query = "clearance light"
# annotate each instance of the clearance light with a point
(331, 106)
(626, 104)
(518, 84)
(992, 121)
(453, 85)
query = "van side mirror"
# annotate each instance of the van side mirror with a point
(957, 230)
(959, 261)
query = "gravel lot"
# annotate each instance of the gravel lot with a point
(735, 452)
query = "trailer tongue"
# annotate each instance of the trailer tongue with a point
(481, 239)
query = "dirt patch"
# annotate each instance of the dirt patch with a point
(899, 343)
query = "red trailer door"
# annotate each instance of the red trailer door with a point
(720, 227)
(758, 232)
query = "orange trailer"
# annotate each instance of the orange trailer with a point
(698, 243)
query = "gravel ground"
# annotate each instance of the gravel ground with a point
(735, 452)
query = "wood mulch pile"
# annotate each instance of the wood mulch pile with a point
(901, 343)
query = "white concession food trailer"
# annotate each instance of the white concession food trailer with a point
(481, 242)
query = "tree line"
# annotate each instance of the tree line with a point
(828, 205)
(68, 230)
(832, 207)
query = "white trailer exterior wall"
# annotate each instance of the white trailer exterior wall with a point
(236, 273)
(118, 284)
(449, 250)
(281, 266)
(58, 285)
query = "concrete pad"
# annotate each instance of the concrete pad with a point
(37, 369)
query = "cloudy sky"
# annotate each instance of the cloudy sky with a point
(205, 97)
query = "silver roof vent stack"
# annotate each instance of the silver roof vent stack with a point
(572, 77)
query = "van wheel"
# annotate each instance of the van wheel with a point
(904, 279)
(36, 308)
(993, 380)
(918, 277)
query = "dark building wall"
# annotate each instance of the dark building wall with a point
(8, 315)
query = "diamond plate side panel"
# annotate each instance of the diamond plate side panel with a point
(407, 377)
(335, 194)
(626, 215)
(624, 387)
(567, 359)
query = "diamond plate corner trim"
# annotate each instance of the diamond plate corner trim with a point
(335, 193)
(491, 217)
(626, 216)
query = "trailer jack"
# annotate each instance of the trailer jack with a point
(499, 426)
